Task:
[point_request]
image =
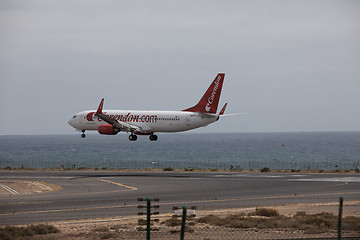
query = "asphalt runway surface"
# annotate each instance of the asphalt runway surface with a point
(101, 194)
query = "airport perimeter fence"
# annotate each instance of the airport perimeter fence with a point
(263, 223)
(213, 233)
(294, 165)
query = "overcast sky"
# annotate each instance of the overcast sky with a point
(291, 65)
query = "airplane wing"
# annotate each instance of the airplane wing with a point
(123, 126)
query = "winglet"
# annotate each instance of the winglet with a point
(99, 110)
(223, 109)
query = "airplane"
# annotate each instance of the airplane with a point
(135, 122)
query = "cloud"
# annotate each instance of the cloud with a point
(292, 58)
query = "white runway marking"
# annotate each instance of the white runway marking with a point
(9, 189)
(40, 185)
(335, 179)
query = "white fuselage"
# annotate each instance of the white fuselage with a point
(148, 121)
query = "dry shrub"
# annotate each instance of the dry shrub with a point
(43, 229)
(241, 221)
(266, 212)
(172, 222)
(209, 219)
(116, 227)
(351, 223)
(300, 214)
(12, 232)
(168, 169)
(311, 229)
(311, 224)
(320, 220)
(235, 221)
(101, 229)
(107, 235)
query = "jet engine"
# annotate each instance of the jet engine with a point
(108, 129)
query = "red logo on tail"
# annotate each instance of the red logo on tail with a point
(211, 99)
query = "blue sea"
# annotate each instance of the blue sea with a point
(300, 150)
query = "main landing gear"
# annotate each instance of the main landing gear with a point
(132, 137)
(83, 134)
(153, 137)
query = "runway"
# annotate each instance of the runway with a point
(99, 194)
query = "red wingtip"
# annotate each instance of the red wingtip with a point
(100, 108)
(223, 109)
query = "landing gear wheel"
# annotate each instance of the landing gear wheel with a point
(83, 134)
(153, 137)
(132, 137)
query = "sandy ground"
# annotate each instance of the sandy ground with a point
(14, 187)
(126, 227)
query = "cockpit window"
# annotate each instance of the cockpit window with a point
(74, 116)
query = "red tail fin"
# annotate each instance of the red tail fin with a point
(99, 110)
(209, 102)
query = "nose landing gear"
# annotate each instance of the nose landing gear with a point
(153, 137)
(83, 134)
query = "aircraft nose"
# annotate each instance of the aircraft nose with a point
(71, 122)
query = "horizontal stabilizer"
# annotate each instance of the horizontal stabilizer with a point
(232, 114)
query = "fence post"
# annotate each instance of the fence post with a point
(183, 220)
(148, 216)
(340, 217)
